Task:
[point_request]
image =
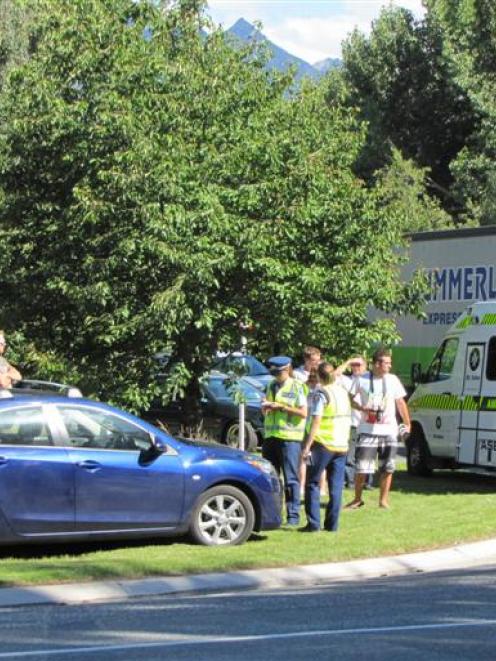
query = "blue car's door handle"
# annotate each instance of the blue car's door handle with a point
(3, 461)
(89, 465)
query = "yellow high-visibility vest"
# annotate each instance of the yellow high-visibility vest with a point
(281, 424)
(335, 425)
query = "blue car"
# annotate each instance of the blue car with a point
(75, 469)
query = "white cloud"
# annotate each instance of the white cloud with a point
(310, 29)
(314, 39)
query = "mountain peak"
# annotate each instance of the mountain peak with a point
(242, 29)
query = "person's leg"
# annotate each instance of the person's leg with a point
(291, 453)
(387, 464)
(271, 450)
(335, 472)
(323, 484)
(369, 482)
(350, 470)
(385, 487)
(365, 463)
(302, 476)
(315, 470)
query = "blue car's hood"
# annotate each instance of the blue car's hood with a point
(215, 450)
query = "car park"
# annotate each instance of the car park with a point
(72, 469)
(219, 410)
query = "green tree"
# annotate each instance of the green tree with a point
(160, 186)
(403, 185)
(470, 42)
(16, 39)
(402, 83)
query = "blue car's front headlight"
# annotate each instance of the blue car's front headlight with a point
(262, 464)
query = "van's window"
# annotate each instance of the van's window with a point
(491, 360)
(444, 360)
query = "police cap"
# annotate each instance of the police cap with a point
(279, 363)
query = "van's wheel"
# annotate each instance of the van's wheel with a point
(223, 516)
(417, 454)
(231, 436)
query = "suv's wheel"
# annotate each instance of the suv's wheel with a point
(417, 454)
(223, 516)
(231, 436)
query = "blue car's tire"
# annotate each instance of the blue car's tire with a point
(223, 516)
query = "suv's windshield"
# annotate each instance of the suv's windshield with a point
(248, 365)
(220, 389)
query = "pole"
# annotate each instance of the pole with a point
(241, 429)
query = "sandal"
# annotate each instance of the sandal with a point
(354, 505)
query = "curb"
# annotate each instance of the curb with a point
(457, 557)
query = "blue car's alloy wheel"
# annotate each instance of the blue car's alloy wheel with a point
(223, 516)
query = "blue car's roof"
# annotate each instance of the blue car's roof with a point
(21, 400)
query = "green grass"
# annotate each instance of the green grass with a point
(449, 508)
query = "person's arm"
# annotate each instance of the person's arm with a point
(14, 374)
(300, 411)
(307, 446)
(402, 407)
(340, 369)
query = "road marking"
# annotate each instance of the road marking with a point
(206, 640)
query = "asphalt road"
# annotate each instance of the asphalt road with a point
(444, 616)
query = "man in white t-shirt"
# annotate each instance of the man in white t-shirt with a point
(378, 397)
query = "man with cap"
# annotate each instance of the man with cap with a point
(8, 373)
(285, 411)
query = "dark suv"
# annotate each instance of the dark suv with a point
(36, 387)
(220, 412)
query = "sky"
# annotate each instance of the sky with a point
(310, 29)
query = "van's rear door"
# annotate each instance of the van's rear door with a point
(475, 358)
(486, 433)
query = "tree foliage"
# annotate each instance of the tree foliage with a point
(15, 34)
(159, 187)
(404, 190)
(470, 42)
(401, 80)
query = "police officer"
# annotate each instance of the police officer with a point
(285, 411)
(326, 446)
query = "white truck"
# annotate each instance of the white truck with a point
(461, 267)
(453, 407)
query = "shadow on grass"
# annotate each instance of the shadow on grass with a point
(445, 482)
(38, 551)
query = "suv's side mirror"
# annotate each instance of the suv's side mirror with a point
(416, 374)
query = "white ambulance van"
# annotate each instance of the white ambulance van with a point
(453, 407)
